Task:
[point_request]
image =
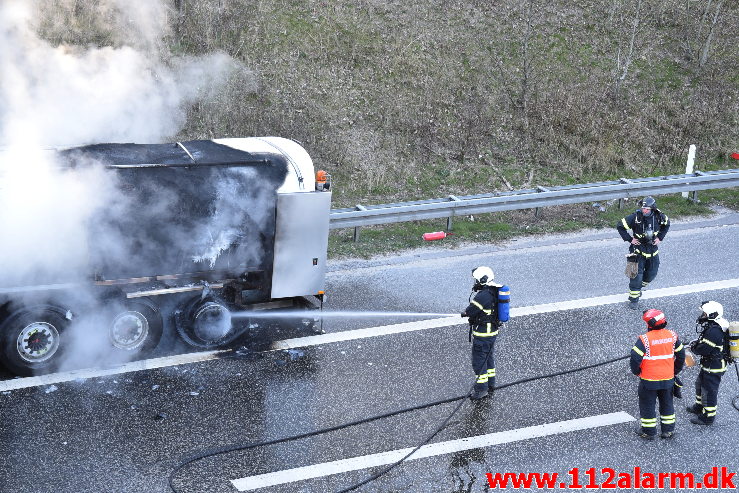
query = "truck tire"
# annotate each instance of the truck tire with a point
(137, 329)
(32, 339)
(205, 322)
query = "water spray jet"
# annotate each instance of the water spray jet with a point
(325, 314)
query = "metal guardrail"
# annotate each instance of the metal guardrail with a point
(529, 199)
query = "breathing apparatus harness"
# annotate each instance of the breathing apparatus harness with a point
(483, 319)
(730, 350)
(702, 324)
(500, 306)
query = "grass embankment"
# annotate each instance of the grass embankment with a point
(409, 100)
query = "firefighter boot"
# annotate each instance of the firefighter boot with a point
(478, 394)
(643, 435)
(694, 409)
(706, 417)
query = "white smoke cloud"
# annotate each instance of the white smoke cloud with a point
(63, 96)
(46, 213)
(55, 95)
(60, 96)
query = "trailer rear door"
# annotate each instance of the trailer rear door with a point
(301, 242)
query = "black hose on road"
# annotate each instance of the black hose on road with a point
(446, 421)
(236, 447)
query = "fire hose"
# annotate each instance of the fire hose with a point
(462, 398)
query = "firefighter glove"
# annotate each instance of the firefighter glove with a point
(677, 389)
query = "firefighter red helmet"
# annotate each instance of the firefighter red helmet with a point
(655, 319)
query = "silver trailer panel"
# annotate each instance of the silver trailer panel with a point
(301, 243)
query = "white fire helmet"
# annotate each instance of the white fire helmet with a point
(484, 275)
(712, 309)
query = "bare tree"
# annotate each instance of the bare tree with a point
(622, 68)
(179, 16)
(707, 45)
(526, 78)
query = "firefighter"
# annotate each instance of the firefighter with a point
(656, 358)
(484, 326)
(710, 347)
(649, 227)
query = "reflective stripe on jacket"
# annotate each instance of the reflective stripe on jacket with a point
(638, 223)
(710, 346)
(658, 360)
(482, 312)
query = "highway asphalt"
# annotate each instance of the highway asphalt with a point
(126, 432)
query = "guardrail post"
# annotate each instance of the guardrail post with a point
(621, 201)
(453, 198)
(694, 193)
(539, 189)
(359, 207)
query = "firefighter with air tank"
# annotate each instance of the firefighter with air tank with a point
(714, 348)
(649, 227)
(487, 311)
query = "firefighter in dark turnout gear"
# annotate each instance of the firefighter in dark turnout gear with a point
(484, 327)
(656, 358)
(710, 347)
(649, 227)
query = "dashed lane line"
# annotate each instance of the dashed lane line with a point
(301, 342)
(384, 458)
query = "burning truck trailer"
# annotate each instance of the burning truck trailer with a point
(197, 230)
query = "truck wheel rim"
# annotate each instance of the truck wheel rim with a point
(129, 330)
(212, 322)
(38, 342)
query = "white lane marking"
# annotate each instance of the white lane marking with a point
(515, 312)
(350, 335)
(147, 364)
(430, 450)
